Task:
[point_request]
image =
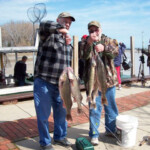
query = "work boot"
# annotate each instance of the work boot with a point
(47, 147)
(63, 142)
(111, 134)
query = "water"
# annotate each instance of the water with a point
(10, 62)
(127, 73)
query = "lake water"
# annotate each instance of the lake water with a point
(10, 62)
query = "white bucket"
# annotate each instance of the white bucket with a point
(127, 127)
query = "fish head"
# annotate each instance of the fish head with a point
(93, 62)
(71, 75)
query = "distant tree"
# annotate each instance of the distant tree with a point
(17, 34)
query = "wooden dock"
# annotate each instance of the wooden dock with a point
(15, 97)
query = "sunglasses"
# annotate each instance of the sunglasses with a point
(92, 31)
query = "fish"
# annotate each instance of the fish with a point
(65, 93)
(90, 83)
(101, 78)
(94, 95)
(75, 89)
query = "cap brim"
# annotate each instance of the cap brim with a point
(73, 19)
(93, 25)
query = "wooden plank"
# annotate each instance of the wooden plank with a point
(16, 90)
(15, 97)
(134, 79)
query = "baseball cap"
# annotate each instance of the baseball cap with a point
(65, 15)
(94, 23)
(84, 36)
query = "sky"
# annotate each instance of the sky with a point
(120, 19)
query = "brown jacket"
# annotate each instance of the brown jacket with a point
(111, 50)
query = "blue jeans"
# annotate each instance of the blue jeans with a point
(111, 112)
(47, 95)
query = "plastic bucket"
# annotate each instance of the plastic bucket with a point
(127, 128)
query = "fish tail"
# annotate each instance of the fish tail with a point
(88, 99)
(104, 101)
(69, 117)
(74, 99)
(93, 105)
(79, 110)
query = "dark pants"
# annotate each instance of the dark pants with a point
(81, 68)
(19, 82)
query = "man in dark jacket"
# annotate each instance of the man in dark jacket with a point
(20, 71)
(117, 62)
(148, 57)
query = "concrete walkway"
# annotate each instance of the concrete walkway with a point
(18, 129)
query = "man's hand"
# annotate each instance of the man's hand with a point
(99, 48)
(68, 39)
(93, 38)
(63, 31)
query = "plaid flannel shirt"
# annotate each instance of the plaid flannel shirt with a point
(53, 53)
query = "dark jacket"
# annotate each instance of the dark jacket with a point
(20, 71)
(117, 60)
(148, 57)
(110, 51)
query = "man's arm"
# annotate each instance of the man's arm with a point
(111, 49)
(146, 53)
(49, 27)
(123, 47)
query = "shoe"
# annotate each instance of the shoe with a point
(119, 87)
(48, 147)
(63, 142)
(94, 141)
(110, 134)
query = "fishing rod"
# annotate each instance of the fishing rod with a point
(100, 122)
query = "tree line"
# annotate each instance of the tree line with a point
(17, 34)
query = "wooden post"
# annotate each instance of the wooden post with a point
(16, 56)
(0, 37)
(75, 55)
(132, 56)
(1, 54)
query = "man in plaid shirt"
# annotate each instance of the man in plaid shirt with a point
(54, 54)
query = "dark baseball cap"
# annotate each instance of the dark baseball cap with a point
(65, 15)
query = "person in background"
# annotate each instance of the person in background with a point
(118, 61)
(94, 41)
(148, 57)
(20, 71)
(54, 55)
(81, 60)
